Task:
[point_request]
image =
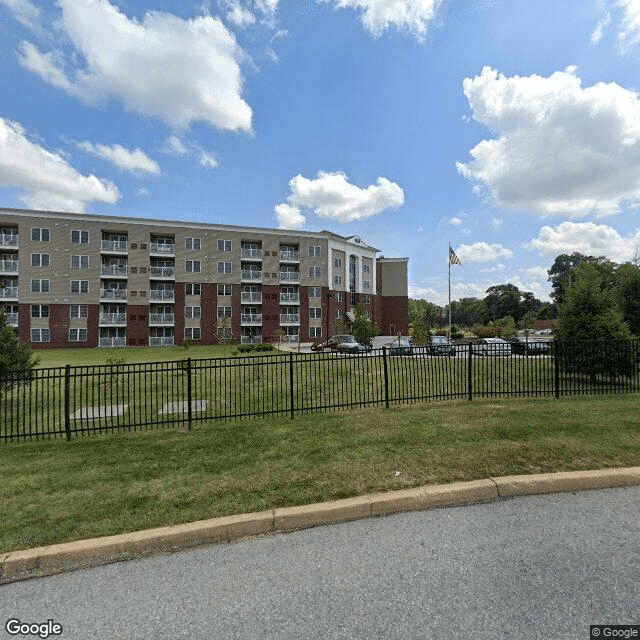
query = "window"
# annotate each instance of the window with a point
(224, 245)
(39, 310)
(79, 262)
(192, 312)
(315, 312)
(78, 311)
(192, 244)
(224, 267)
(338, 279)
(192, 333)
(315, 332)
(193, 266)
(338, 263)
(40, 234)
(77, 335)
(367, 299)
(338, 296)
(315, 292)
(79, 286)
(192, 289)
(224, 289)
(366, 268)
(79, 236)
(314, 250)
(366, 284)
(40, 335)
(224, 312)
(314, 272)
(40, 259)
(339, 313)
(40, 286)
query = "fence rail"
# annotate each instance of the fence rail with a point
(76, 400)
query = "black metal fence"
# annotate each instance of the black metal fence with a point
(75, 400)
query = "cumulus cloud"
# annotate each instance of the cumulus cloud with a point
(332, 196)
(588, 238)
(482, 252)
(630, 28)
(559, 148)
(46, 180)
(135, 161)
(180, 71)
(377, 16)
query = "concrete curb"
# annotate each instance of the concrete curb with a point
(28, 563)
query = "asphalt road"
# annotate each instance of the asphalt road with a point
(534, 567)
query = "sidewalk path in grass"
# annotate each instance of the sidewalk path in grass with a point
(62, 557)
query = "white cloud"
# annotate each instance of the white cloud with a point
(174, 145)
(240, 16)
(180, 71)
(482, 252)
(587, 238)
(208, 160)
(559, 148)
(46, 179)
(377, 16)
(537, 273)
(630, 29)
(455, 221)
(497, 222)
(25, 12)
(603, 23)
(331, 196)
(135, 161)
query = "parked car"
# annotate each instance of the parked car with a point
(351, 345)
(491, 347)
(399, 348)
(532, 348)
(332, 343)
(441, 346)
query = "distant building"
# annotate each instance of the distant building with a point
(81, 280)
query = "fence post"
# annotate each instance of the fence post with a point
(189, 395)
(386, 377)
(291, 381)
(470, 372)
(556, 367)
(67, 401)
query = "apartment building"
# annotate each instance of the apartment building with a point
(81, 280)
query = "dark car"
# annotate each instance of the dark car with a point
(440, 346)
(532, 348)
(351, 345)
(399, 348)
(332, 343)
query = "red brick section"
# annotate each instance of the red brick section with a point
(93, 321)
(137, 325)
(270, 311)
(394, 315)
(208, 306)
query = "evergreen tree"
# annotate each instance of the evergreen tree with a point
(16, 357)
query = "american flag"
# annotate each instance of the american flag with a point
(453, 258)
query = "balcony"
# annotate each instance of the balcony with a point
(8, 266)
(113, 294)
(9, 293)
(165, 295)
(112, 342)
(162, 249)
(8, 239)
(251, 254)
(250, 296)
(115, 270)
(251, 339)
(162, 272)
(161, 342)
(113, 318)
(290, 298)
(12, 319)
(251, 275)
(161, 319)
(289, 256)
(114, 246)
(289, 276)
(289, 318)
(251, 319)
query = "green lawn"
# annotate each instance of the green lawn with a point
(55, 491)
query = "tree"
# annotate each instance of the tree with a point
(628, 293)
(362, 328)
(15, 356)
(561, 272)
(224, 331)
(592, 324)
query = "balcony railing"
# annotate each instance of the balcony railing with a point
(161, 318)
(251, 318)
(9, 239)
(113, 294)
(250, 296)
(250, 274)
(114, 270)
(9, 266)
(251, 253)
(290, 276)
(161, 294)
(251, 339)
(113, 318)
(161, 342)
(12, 319)
(121, 246)
(112, 342)
(9, 292)
(162, 272)
(290, 297)
(289, 318)
(162, 248)
(291, 256)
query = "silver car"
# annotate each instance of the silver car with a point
(491, 347)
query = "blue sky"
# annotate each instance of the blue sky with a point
(509, 128)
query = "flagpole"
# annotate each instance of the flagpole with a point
(449, 261)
